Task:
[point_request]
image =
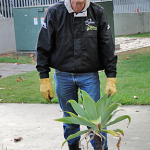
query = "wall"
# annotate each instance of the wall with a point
(146, 21)
(131, 23)
(7, 36)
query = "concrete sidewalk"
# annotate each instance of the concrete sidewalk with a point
(35, 124)
(8, 69)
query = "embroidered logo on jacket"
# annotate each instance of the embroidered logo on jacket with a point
(91, 25)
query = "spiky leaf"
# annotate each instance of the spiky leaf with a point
(69, 120)
(108, 111)
(110, 132)
(72, 136)
(109, 101)
(109, 118)
(83, 94)
(90, 108)
(118, 101)
(98, 121)
(100, 105)
(120, 131)
(119, 119)
(78, 109)
(83, 121)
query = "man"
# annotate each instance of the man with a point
(76, 40)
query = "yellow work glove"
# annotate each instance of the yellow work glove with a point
(110, 88)
(46, 89)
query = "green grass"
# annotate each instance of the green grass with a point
(133, 79)
(136, 35)
(17, 59)
(26, 91)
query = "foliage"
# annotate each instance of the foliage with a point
(97, 116)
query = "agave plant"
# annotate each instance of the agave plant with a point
(97, 116)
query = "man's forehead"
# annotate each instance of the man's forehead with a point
(69, 8)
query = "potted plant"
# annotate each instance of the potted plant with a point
(97, 116)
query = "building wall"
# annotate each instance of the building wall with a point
(132, 23)
(7, 36)
(146, 20)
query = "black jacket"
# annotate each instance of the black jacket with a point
(76, 44)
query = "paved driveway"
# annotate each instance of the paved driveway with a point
(8, 69)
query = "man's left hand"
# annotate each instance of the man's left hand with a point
(110, 88)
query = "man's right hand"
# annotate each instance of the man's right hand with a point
(46, 89)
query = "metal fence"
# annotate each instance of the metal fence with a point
(131, 6)
(120, 6)
(6, 6)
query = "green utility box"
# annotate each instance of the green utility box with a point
(27, 23)
(28, 20)
(108, 6)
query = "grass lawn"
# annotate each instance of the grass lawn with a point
(26, 91)
(137, 35)
(133, 79)
(11, 58)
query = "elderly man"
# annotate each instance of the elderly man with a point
(75, 40)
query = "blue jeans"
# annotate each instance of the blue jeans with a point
(67, 85)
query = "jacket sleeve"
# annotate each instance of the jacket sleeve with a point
(106, 46)
(44, 46)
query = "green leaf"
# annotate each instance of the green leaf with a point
(108, 111)
(110, 132)
(69, 120)
(118, 101)
(120, 131)
(100, 105)
(119, 119)
(116, 111)
(90, 108)
(98, 121)
(78, 109)
(109, 118)
(109, 101)
(83, 93)
(72, 136)
(82, 121)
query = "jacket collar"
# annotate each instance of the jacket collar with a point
(69, 8)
